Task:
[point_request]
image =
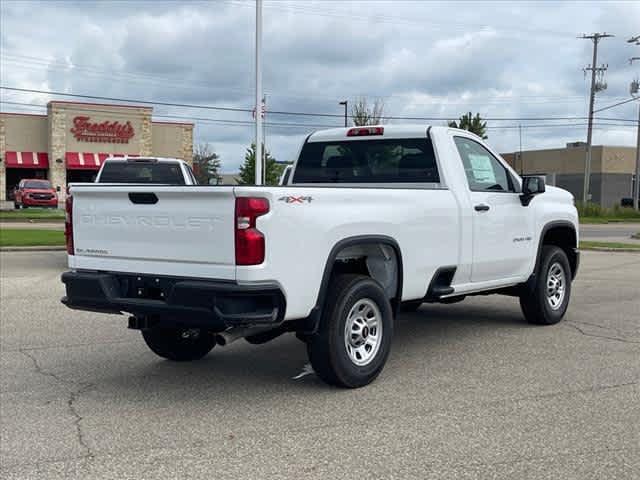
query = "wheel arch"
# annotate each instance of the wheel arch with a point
(359, 241)
(563, 235)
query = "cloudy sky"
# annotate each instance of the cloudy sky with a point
(515, 62)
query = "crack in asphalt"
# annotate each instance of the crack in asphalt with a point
(617, 330)
(72, 399)
(606, 337)
(69, 345)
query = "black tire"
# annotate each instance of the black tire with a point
(170, 343)
(536, 305)
(16, 205)
(328, 351)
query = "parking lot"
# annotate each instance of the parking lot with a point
(470, 391)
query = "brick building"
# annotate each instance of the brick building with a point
(71, 141)
(612, 170)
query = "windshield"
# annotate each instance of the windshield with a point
(40, 184)
(408, 160)
(142, 172)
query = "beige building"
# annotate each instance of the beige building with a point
(612, 170)
(71, 141)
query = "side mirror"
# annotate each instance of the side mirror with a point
(531, 186)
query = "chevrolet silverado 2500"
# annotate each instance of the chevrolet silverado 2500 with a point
(372, 220)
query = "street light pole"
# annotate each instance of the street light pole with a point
(636, 185)
(258, 110)
(345, 103)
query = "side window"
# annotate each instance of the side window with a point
(484, 171)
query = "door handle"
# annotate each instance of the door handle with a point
(481, 208)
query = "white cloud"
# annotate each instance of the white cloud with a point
(502, 59)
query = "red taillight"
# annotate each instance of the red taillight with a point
(364, 131)
(249, 240)
(68, 224)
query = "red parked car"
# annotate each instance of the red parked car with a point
(34, 192)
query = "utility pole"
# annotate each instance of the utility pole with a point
(345, 103)
(634, 91)
(258, 110)
(595, 38)
(521, 159)
(264, 140)
(636, 185)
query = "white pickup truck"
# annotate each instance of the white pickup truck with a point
(372, 220)
(149, 170)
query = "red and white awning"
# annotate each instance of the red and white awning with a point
(27, 160)
(88, 161)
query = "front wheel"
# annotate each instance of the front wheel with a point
(355, 332)
(179, 344)
(547, 303)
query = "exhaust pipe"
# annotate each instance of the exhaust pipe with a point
(234, 333)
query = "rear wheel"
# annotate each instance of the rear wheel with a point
(354, 337)
(16, 205)
(179, 344)
(547, 303)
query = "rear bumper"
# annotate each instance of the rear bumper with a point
(215, 305)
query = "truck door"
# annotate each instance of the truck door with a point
(502, 234)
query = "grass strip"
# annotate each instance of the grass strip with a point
(32, 214)
(23, 237)
(609, 245)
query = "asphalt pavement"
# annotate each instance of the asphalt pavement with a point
(609, 232)
(470, 391)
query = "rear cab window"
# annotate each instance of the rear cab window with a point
(395, 160)
(166, 173)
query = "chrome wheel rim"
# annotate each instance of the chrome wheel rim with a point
(363, 332)
(556, 286)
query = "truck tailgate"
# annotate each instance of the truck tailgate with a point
(163, 230)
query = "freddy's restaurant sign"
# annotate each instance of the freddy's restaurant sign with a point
(84, 130)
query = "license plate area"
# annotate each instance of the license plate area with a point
(145, 287)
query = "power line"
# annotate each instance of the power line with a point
(278, 112)
(395, 20)
(39, 64)
(616, 104)
(191, 118)
(126, 100)
(316, 125)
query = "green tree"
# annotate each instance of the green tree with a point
(364, 114)
(206, 165)
(247, 175)
(471, 123)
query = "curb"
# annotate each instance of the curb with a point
(43, 248)
(32, 220)
(607, 249)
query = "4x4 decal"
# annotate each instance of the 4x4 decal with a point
(292, 199)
